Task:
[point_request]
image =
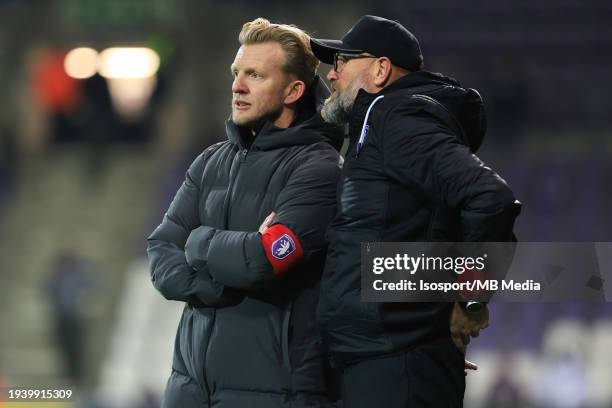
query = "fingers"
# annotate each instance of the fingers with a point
(458, 342)
(470, 366)
(266, 223)
(463, 326)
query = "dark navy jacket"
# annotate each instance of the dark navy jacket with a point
(414, 178)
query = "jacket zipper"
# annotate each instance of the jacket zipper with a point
(226, 203)
(285, 337)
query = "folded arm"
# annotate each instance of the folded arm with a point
(254, 261)
(170, 273)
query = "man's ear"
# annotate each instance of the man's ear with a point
(382, 71)
(294, 91)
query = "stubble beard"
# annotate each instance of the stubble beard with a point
(337, 107)
(255, 124)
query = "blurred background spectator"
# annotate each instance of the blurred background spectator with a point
(70, 290)
(106, 102)
(504, 393)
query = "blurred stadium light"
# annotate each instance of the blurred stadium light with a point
(81, 63)
(128, 62)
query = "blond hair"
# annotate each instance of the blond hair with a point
(299, 58)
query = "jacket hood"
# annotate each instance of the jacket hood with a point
(465, 106)
(307, 128)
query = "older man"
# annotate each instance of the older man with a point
(242, 243)
(410, 175)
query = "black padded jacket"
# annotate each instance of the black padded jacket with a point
(414, 177)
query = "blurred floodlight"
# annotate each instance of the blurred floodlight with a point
(129, 62)
(130, 96)
(81, 63)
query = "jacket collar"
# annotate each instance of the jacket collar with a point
(413, 83)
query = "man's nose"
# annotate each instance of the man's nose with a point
(332, 75)
(238, 86)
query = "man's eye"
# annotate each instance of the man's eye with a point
(254, 75)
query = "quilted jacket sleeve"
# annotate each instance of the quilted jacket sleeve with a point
(171, 275)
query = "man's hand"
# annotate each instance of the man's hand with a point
(266, 223)
(470, 366)
(464, 325)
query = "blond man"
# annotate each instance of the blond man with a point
(242, 243)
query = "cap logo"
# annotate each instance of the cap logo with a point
(283, 247)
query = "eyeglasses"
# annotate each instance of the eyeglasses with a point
(341, 59)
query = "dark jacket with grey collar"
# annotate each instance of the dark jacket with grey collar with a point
(413, 176)
(248, 336)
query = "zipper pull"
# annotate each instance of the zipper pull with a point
(365, 128)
